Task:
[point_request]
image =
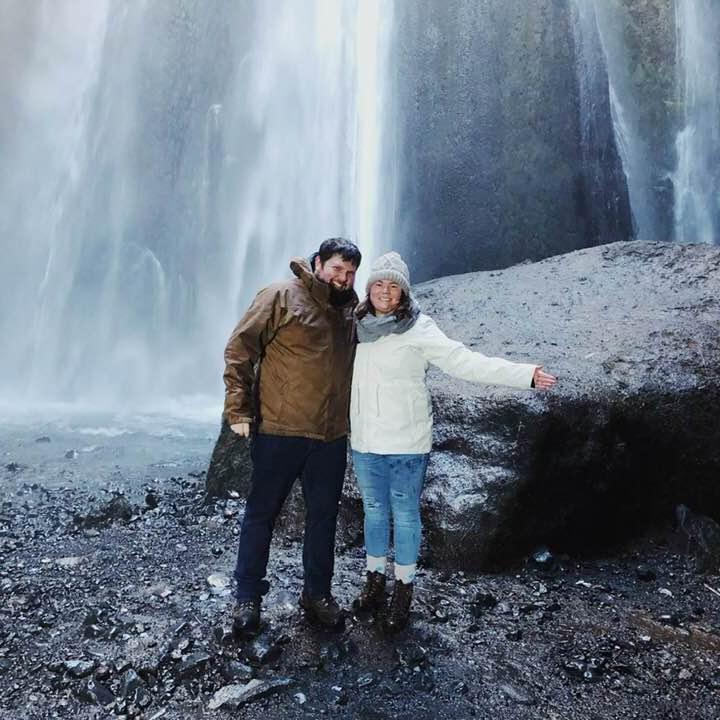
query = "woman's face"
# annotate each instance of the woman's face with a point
(385, 295)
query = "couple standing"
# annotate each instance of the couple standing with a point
(288, 370)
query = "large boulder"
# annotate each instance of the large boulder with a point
(629, 432)
(631, 330)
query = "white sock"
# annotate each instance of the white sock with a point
(376, 564)
(405, 573)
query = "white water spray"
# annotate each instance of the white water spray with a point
(156, 186)
(697, 178)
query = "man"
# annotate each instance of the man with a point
(288, 366)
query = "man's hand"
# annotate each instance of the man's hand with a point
(242, 429)
(543, 380)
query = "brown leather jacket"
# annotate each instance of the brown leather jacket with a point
(288, 363)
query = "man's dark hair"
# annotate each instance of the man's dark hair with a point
(347, 250)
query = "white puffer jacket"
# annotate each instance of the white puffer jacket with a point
(390, 408)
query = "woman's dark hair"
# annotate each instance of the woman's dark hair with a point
(346, 249)
(402, 311)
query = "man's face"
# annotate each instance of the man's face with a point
(336, 272)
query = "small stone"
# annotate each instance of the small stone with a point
(684, 674)
(341, 697)
(300, 698)
(588, 670)
(234, 670)
(130, 683)
(78, 668)
(666, 592)
(152, 500)
(96, 693)
(102, 672)
(70, 562)
(645, 573)
(193, 663)
(365, 680)
(517, 695)
(43, 439)
(482, 602)
(543, 559)
(12, 467)
(218, 580)
(233, 696)
(71, 454)
(161, 590)
(411, 655)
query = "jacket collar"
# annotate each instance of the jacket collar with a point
(319, 290)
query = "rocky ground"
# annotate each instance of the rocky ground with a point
(114, 601)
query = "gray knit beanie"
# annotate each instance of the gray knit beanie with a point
(390, 266)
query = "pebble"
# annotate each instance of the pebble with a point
(218, 580)
(233, 696)
(517, 694)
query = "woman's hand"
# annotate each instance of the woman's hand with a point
(543, 380)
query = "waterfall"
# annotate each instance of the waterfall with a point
(638, 44)
(164, 160)
(629, 131)
(697, 178)
(603, 137)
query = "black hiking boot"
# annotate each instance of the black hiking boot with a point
(246, 618)
(323, 610)
(399, 612)
(372, 595)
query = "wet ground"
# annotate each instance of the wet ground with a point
(114, 602)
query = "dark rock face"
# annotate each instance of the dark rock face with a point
(492, 136)
(630, 431)
(230, 465)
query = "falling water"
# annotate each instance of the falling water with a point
(606, 207)
(164, 161)
(604, 21)
(697, 178)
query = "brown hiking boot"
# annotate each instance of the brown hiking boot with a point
(399, 612)
(372, 595)
(323, 610)
(246, 618)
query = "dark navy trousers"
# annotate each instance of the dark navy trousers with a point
(277, 462)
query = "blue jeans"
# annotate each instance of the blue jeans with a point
(277, 462)
(391, 484)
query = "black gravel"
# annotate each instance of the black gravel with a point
(117, 603)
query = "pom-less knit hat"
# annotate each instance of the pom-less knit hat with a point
(390, 266)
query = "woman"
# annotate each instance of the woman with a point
(391, 422)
